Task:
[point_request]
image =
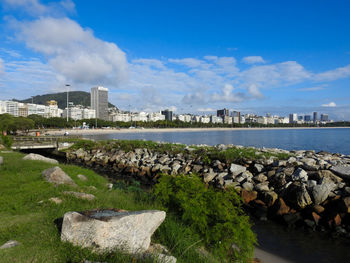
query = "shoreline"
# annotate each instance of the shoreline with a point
(159, 130)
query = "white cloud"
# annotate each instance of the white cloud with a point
(274, 75)
(206, 110)
(317, 88)
(227, 95)
(35, 8)
(151, 62)
(253, 60)
(2, 67)
(254, 91)
(190, 62)
(331, 104)
(74, 52)
(334, 74)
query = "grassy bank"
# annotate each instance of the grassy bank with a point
(28, 216)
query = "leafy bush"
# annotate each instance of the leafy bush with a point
(6, 141)
(216, 215)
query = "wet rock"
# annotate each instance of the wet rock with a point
(110, 229)
(315, 217)
(319, 209)
(57, 176)
(291, 219)
(280, 207)
(344, 204)
(236, 169)
(9, 244)
(38, 157)
(84, 196)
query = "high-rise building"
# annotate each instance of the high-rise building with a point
(99, 102)
(324, 117)
(222, 113)
(168, 115)
(293, 118)
(315, 119)
(307, 118)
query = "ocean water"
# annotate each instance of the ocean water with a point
(334, 140)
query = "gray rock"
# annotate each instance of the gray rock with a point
(236, 169)
(311, 184)
(262, 187)
(300, 175)
(258, 168)
(82, 177)
(55, 200)
(260, 178)
(248, 186)
(84, 196)
(297, 195)
(38, 157)
(108, 229)
(208, 177)
(342, 170)
(9, 244)
(57, 176)
(321, 191)
(1, 160)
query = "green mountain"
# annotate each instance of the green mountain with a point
(77, 97)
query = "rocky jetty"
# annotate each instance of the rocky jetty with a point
(305, 188)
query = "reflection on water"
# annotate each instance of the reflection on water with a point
(331, 140)
(298, 246)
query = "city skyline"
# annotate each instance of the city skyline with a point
(251, 57)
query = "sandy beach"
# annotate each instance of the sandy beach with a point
(157, 130)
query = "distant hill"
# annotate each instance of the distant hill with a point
(77, 97)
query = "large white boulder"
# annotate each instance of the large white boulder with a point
(38, 157)
(107, 230)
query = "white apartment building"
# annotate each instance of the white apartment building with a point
(156, 116)
(79, 113)
(204, 119)
(215, 119)
(184, 117)
(139, 116)
(3, 107)
(119, 116)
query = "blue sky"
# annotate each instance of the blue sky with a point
(257, 56)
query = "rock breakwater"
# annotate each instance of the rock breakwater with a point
(301, 188)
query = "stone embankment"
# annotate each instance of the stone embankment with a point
(306, 189)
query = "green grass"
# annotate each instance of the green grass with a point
(27, 215)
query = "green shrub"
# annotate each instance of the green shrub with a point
(6, 141)
(216, 215)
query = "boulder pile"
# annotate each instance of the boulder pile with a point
(307, 188)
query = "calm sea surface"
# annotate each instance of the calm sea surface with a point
(331, 140)
(295, 245)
